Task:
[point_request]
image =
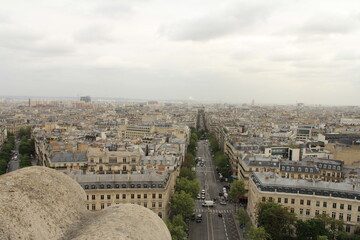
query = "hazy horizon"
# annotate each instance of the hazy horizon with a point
(275, 52)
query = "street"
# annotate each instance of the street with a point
(14, 163)
(212, 227)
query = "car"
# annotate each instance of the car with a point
(223, 203)
(199, 218)
(198, 196)
(203, 191)
(203, 197)
(220, 214)
(193, 217)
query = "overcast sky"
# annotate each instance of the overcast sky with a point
(207, 50)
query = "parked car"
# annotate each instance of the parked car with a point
(223, 203)
(220, 214)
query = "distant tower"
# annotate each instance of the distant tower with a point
(29, 102)
(253, 102)
(86, 99)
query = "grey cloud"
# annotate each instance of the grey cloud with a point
(94, 34)
(289, 57)
(319, 26)
(33, 44)
(348, 55)
(229, 21)
(113, 10)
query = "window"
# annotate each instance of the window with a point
(292, 169)
(306, 169)
(301, 201)
(299, 169)
(108, 197)
(139, 196)
(93, 207)
(108, 204)
(301, 211)
(329, 167)
(160, 196)
(308, 202)
(86, 186)
(320, 165)
(145, 195)
(160, 214)
(153, 195)
(132, 196)
(108, 186)
(324, 204)
(292, 210)
(270, 199)
(333, 214)
(102, 186)
(358, 218)
(124, 196)
(93, 197)
(279, 200)
(100, 160)
(334, 205)
(324, 212)
(102, 197)
(292, 201)
(358, 208)
(124, 160)
(153, 204)
(87, 206)
(311, 170)
(347, 228)
(349, 207)
(264, 199)
(318, 203)
(341, 216)
(145, 204)
(102, 205)
(285, 200)
(160, 204)
(348, 218)
(341, 206)
(308, 212)
(117, 196)
(93, 187)
(117, 185)
(316, 212)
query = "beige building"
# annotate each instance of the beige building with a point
(150, 190)
(306, 198)
(3, 135)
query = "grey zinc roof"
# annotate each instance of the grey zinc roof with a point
(274, 183)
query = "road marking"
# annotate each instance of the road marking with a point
(226, 234)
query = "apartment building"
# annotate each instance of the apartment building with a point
(150, 189)
(3, 135)
(306, 198)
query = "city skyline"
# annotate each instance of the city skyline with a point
(205, 51)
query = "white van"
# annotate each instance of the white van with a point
(208, 203)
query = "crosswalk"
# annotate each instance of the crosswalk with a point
(200, 210)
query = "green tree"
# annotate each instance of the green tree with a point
(177, 232)
(187, 173)
(178, 220)
(310, 229)
(189, 160)
(25, 161)
(182, 203)
(189, 186)
(276, 220)
(243, 217)
(237, 190)
(257, 234)
(335, 227)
